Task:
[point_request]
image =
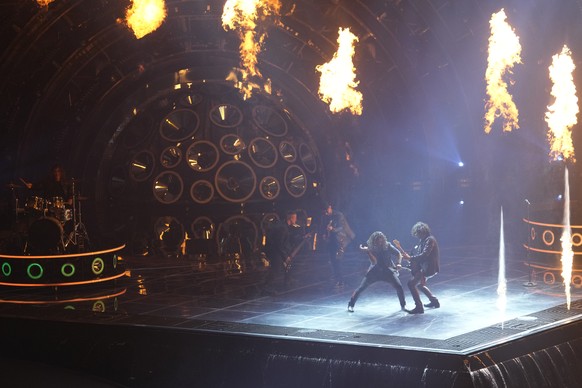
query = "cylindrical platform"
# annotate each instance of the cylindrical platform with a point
(62, 270)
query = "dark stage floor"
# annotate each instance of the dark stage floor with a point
(187, 295)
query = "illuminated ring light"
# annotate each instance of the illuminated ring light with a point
(171, 157)
(202, 228)
(180, 124)
(6, 269)
(117, 181)
(244, 224)
(263, 153)
(29, 270)
(98, 306)
(225, 115)
(576, 239)
(202, 191)
(307, 158)
(235, 181)
(269, 187)
(549, 278)
(142, 166)
(295, 181)
(547, 241)
(202, 156)
(68, 270)
(168, 187)
(97, 266)
(532, 233)
(232, 144)
(269, 120)
(577, 281)
(288, 151)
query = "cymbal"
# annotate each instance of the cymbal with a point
(14, 186)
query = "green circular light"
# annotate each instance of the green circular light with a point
(29, 270)
(97, 266)
(6, 269)
(68, 270)
(99, 306)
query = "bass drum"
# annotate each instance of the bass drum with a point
(45, 237)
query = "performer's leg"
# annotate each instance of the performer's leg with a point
(412, 283)
(335, 258)
(356, 294)
(394, 280)
(434, 302)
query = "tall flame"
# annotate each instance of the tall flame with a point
(504, 52)
(249, 18)
(145, 16)
(337, 85)
(44, 3)
(561, 116)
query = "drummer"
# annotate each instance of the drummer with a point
(55, 186)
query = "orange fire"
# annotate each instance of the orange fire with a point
(561, 115)
(249, 18)
(337, 85)
(504, 52)
(145, 16)
(44, 3)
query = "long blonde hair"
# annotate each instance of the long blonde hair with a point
(377, 241)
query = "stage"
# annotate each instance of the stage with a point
(186, 322)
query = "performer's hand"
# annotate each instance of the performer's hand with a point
(398, 267)
(363, 248)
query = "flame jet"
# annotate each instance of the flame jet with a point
(249, 18)
(561, 115)
(504, 52)
(337, 84)
(145, 16)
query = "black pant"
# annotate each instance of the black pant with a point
(418, 282)
(374, 276)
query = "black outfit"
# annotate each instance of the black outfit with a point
(337, 239)
(276, 251)
(50, 189)
(424, 264)
(383, 270)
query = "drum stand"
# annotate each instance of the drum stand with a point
(78, 236)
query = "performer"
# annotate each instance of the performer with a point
(382, 268)
(54, 186)
(337, 233)
(424, 265)
(277, 250)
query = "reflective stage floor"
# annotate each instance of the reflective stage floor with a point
(183, 295)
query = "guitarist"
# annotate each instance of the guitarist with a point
(337, 234)
(424, 262)
(382, 268)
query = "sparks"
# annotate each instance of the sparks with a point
(145, 16)
(566, 240)
(250, 19)
(337, 85)
(561, 116)
(504, 52)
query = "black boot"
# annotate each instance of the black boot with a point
(434, 303)
(416, 310)
(351, 306)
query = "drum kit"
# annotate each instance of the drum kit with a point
(50, 225)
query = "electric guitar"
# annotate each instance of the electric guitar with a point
(414, 266)
(289, 260)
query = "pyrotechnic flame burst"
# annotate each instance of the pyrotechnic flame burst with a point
(504, 52)
(145, 16)
(249, 18)
(561, 116)
(44, 3)
(337, 85)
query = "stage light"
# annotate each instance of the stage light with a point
(559, 197)
(461, 202)
(460, 164)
